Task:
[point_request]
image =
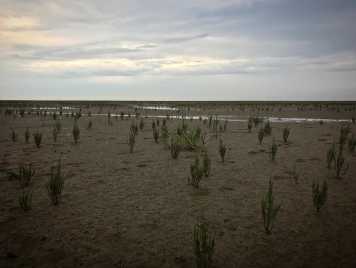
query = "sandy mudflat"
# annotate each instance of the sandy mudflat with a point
(138, 209)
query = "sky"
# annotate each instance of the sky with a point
(178, 50)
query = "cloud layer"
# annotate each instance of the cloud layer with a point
(155, 49)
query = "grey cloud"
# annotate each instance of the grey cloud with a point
(279, 37)
(181, 39)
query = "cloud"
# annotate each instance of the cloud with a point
(87, 40)
(185, 66)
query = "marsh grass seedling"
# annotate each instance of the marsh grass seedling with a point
(55, 134)
(222, 150)
(274, 149)
(155, 132)
(196, 173)
(204, 244)
(58, 126)
(13, 135)
(25, 200)
(164, 134)
(261, 134)
(267, 128)
(331, 156)
(341, 166)
(225, 125)
(221, 128)
(257, 121)
(344, 132)
(55, 184)
(352, 143)
(249, 125)
(38, 138)
(206, 164)
(134, 128)
(319, 195)
(175, 147)
(76, 132)
(27, 135)
(142, 124)
(295, 174)
(90, 125)
(269, 209)
(25, 175)
(132, 140)
(286, 132)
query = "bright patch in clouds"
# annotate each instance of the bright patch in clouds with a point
(18, 23)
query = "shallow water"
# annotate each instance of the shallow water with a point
(232, 118)
(55, 108)
(157, 108)
(229, 118)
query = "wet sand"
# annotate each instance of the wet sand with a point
(137, 208)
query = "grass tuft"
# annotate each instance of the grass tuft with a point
(260, 136)
(331, 156)
(222, 150)
(286, 132)
(132, 140)
(55, 184)
(175, 147)
(320, 195)
(204, 244)
(269, 209)
(196, 173)
(25, 200)
(274, 149)
(13, 135)
(38, 139)
(27, 135)
(76, 132)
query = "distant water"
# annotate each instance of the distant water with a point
(158, 108)
(54, 108)
(229, 118)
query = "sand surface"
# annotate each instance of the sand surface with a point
(137, 210)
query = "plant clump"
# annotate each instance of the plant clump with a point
(13, 136)
(196, 173)
(267, 128)
(320, 195)
(222, 150)
(27, 135)
(269, 209)
(274, 149)
(76, 132)
(331, 156)
(55, 184)
(25, 200)
(204, 244)
(175, 147)
(132, 140)
(286, 132)
(260, 136)
(206, 164)
(38, 138)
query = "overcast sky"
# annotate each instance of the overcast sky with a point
(178, 50)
